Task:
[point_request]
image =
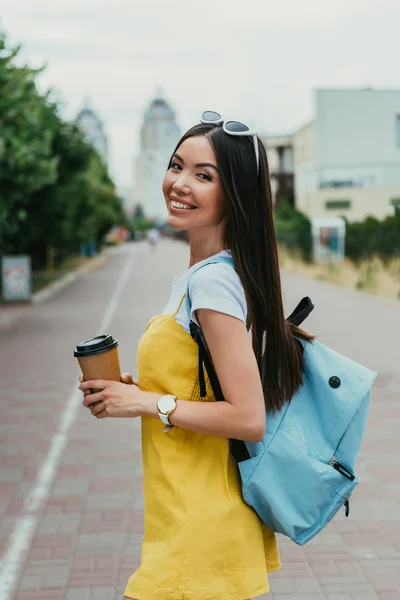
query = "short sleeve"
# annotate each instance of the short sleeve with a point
(217, 287)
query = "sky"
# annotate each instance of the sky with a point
(257, 61)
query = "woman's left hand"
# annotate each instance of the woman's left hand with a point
(113, 399)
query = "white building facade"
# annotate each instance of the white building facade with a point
(347, 160)
(91, 125)
(159, 135)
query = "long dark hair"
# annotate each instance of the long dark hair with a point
(250, 235)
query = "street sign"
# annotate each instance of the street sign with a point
(16, 278)
(328, 239)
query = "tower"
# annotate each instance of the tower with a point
(92, 127)
(158, 136)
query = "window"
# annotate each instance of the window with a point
(398, 131)
(337, 204)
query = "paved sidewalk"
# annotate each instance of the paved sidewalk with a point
(88, 535)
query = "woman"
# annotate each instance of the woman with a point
(201, 541)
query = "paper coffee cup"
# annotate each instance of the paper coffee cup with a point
(98, 358)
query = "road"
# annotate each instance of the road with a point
(70, 485)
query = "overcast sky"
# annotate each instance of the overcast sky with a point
(254, 60)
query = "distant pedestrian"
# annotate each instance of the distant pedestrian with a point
(153, 236)
(201, 540)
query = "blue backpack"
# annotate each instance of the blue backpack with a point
(303, 471)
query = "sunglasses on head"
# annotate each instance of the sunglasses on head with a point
(211, 117)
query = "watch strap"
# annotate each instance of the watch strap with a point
(164, 418)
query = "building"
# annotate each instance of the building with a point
(347, 160)
(280, 161)
(158, 137)
(126, 193)
(92, 127)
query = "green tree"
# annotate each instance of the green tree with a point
(26, 160)
(370, 237)
(55, 190)
(293, 229)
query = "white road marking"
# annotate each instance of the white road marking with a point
(21, 537)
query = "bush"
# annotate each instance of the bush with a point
(293, 230)
(371, 237)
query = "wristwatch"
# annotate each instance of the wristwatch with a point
(166, 406)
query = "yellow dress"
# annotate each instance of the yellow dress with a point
(201, 541)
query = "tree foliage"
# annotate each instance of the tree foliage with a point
(54, 188)
(293, 229)
(371, 237)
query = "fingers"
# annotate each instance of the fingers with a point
(98, 408)
(91, 398)
(98, 384)
(128, 379)
(81, 378)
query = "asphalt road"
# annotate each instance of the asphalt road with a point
(70, 485)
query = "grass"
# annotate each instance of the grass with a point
(373, 275)
(41, 279)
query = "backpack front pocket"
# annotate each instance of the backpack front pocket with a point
(293, 492)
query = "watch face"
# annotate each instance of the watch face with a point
(166, 404)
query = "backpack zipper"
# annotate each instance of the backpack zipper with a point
(346, 473)
(341, 469)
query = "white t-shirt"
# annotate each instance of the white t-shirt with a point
(216, 286)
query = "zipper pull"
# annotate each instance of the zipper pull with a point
(346, 508)
(341, 469)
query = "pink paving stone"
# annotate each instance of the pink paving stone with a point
(66, 504)
(8, 489)
(347, 567)
(385, 473)
(328, 552)
(3, 543)
(30, 474)
(364, 539)
(62, 552)
(117, 515)
(8, 461)
(124, 575)
(323, 567)
(93, 579)
(99, 525)
(299, 568)
(75, 470)
(112, 486)
(49, 594)
(384, 583)
(82, 564)
(15, 507)
(40, 554)
(374, 490)
(57, 540)
(103, 527)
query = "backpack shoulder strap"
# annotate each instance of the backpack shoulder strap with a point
(213, 260)
(197, 335)
(301, 312)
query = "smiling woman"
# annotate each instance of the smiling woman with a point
(201, 540)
